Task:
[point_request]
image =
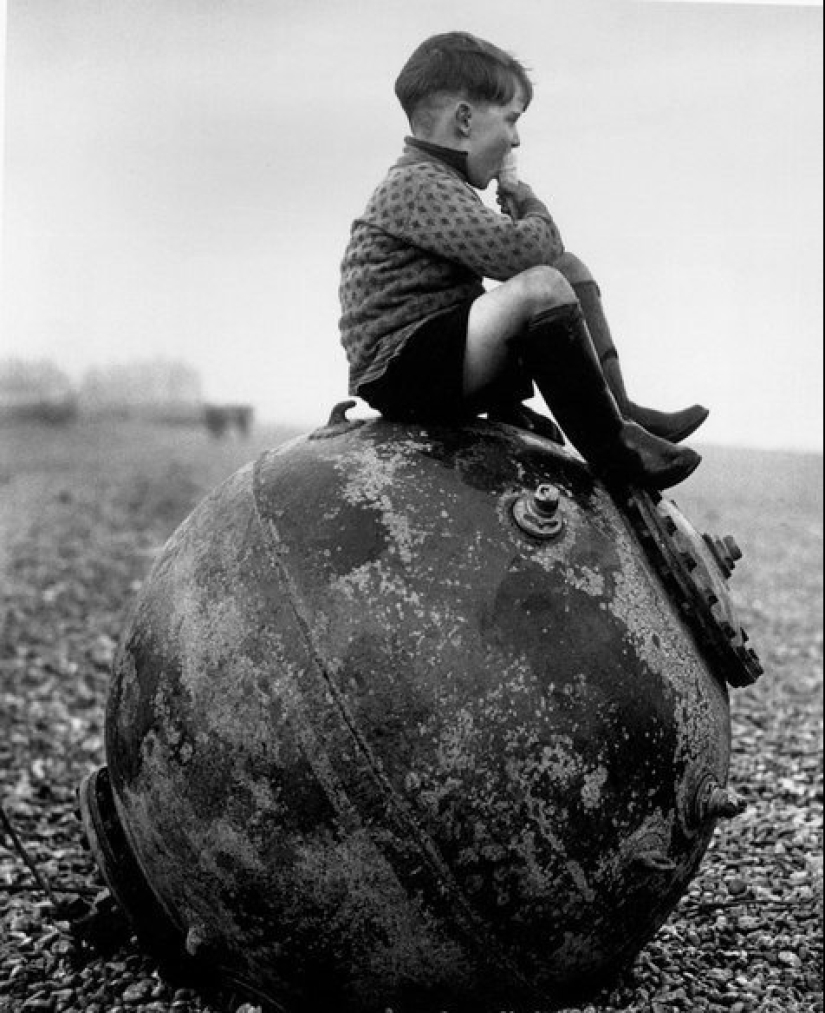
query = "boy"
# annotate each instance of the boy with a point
(425, 341)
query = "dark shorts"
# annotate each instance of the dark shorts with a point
(425, 381)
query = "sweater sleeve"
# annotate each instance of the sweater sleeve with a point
(447, 218)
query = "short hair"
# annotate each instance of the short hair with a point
(460, 63)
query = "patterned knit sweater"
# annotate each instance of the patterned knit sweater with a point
(423, 246)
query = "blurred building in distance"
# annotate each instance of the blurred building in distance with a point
(35, 390)
(156, 390)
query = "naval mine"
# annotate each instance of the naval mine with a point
(420, 718)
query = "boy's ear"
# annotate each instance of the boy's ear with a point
(463, 115)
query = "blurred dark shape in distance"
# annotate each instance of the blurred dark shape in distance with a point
(158, 391)
(223, 419)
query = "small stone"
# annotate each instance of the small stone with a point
(788, 958)
(136, 992)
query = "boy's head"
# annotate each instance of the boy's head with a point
(465, 93)
(459, 64)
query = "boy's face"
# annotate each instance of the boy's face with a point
(492, 133)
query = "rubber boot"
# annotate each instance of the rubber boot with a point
(559, 353)
(503, 401)
(672, 426)
(522, 417)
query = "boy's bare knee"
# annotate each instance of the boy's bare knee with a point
(543, 288)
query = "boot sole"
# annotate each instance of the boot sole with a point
(664, 480)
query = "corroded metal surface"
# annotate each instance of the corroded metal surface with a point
(374, 739)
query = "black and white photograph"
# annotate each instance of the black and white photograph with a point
(411, 506)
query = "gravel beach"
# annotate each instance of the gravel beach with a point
(84, 510)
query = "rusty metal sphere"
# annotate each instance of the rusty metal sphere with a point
(421, 718)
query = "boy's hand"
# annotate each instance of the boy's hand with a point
(511, 199)
(520, 201)
(522, 192)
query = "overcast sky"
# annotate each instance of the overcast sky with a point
(181, 175)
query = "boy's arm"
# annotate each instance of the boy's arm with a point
(522, 202)
(448, 219)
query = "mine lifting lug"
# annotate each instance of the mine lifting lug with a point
(337, 423)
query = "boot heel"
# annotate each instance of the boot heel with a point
(672, 426)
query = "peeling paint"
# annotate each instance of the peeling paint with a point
(592, 789)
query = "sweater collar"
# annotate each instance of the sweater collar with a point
(450, 156)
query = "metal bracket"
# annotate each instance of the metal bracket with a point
(537, 512)
(695, 569)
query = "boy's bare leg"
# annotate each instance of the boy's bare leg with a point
(498, 316)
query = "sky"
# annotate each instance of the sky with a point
(180, 177)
